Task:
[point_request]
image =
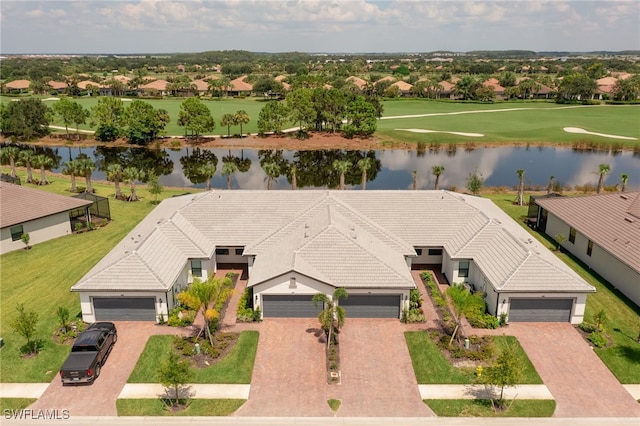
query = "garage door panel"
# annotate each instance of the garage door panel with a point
(124, 308)
(289, 306)
(540, 310)
(371, 306)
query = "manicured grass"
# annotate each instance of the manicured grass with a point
(41, 278)
(532, 122)
(431, 367)
(235, 368)
(197, 407)
(482, 408)
(623, 357)
(15, 403)
(218, 108)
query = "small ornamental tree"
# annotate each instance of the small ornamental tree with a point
(63, 316)
(174, 374)
(507, 371)
(25, 239)
(154, 186)
(25, 325)
(475, 182)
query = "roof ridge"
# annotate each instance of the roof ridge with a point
(517, 268)
(149, 268)
(476, 234)
(175, 225)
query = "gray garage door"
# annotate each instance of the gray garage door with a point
(371, 306)
(540, 310)
(289, 306)
(124, 308)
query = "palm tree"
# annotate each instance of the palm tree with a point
(342, 166)
(364, 164)
(437, 171)
(414, 176)
(26, 157)
(228, 120)
(131, 175)
(333, 315)
(603, 169)
(624, 178)
(294, 177)
(43, 162)
(205, 297)
(229, 168)
(272, 171)
(10, 153)
(70, 168)
(86, 166)
(550, 185)
(208, 170)
(242, 118)
(115, 175)
(520, 200)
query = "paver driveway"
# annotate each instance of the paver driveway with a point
(289, 378)
(289, 373)
(580, 383)
(99, 399)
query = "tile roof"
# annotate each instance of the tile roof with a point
(18, 84)
(354, 238)
(240, 85)
(157, 85)
(19, 204)
(612, 221)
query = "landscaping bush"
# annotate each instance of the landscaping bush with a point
(414, 313)
(587, 327)
(598, 339)
(181, 317)
(245, 307)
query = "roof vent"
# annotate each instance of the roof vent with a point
(306, 234)
(629, 219)
(624, 197)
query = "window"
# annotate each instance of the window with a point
(222, 251)
(419, 252)
(435, 252)
(239, 251)
(196, 268)
(589, 248)
(463, 269)
(16, 232)
(572, 235)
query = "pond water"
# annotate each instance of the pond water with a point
(393, 169)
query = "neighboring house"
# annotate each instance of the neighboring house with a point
(239, 87)
(603, 231)
(403, 87)
(153, 88)
(360, 83)
(19, 86)
(40, 214)
(294, 244)
(58, 86)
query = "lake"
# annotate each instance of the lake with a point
(393, 169)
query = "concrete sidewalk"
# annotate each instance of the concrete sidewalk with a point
(483, 392)
(153, 390)
(22, 390)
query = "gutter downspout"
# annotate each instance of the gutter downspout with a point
(497, 301)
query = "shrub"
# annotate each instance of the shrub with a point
(598, 339)
(179, 317)
(587, 327)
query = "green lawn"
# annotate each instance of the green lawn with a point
(235, 368)
(218, 108)
(482, 408)
(15, 403)
(41, 277)
(431, 367)
(197, 407)
(623, 357)
(530, 123)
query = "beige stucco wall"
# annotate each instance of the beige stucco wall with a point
(609, 267)
(282, 285)
(39, 230)
(88, 314)
(424, 258)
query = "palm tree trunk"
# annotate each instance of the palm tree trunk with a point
(364, 180)
(228, 181)
(74, 186)
(341, 180)
(600, 183)
(116, 183)
(294, 180)
(12, 164)
(43, 177)
(29, 173)
(89, 185)
(437, 184)
(208, 184)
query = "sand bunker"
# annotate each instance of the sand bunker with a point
(604, 135)
(471, 135)
(125, 99)
(51, 99)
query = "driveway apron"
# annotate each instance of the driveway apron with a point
(576, 377)
(377, 375)
(99, 399)
(289, 376)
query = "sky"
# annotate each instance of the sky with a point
(316, 26)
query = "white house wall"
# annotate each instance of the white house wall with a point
(39, 230)
(232, 257)
(620, 275)
(577, 310)
(88, 314)
(282, 285)
(425, 259)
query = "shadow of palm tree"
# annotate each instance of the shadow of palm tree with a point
(317, 332)
(629, 352)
